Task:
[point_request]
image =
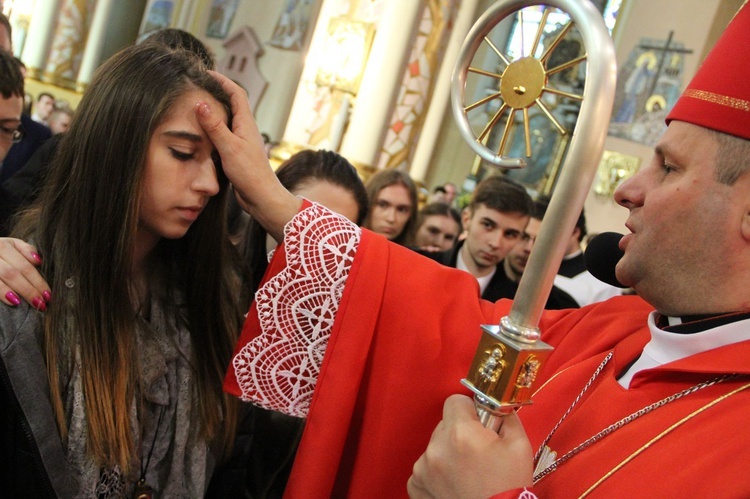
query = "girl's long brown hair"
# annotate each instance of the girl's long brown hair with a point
(85, 224)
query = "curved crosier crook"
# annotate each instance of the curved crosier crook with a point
(509, 354)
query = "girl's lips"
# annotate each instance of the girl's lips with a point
(190, 213)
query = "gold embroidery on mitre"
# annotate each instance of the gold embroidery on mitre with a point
(722, 100)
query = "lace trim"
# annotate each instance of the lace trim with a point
(296, 308)
(527, 494)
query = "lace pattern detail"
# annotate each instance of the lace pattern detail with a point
(296, 308)
(527, 494)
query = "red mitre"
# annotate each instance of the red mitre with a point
(718, 97)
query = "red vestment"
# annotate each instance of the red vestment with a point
(405, 334)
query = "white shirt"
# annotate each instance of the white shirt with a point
(483, 281)
(666, 347)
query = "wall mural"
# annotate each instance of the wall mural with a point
(648, 85)
(291, 29)
(220, 18)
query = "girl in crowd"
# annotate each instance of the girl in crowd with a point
(437, 228)
(321, 176)
(393, 205)
(116, 389)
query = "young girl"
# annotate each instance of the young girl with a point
(116, 389)
(393, 205)
(321, 176)
(324, 177)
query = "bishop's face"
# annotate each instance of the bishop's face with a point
(684, 225)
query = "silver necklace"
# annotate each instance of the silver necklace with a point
(546, 459)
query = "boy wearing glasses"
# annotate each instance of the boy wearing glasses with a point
(11, 102)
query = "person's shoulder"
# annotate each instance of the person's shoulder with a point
(573, 266)
(17, 321)
(559, 299)
(34, 129)
(438, 256)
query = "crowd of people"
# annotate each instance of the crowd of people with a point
(128, 366)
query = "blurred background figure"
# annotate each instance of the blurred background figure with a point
(59, 120)
(438, 227)
(34, 134)
(45, 104)
(327, 178)
(324, 177)
(450, 192)
(393, 205)
(11, 103)
(518, 257)
(438, 195)
(574, 279)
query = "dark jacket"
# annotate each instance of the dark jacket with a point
(22, 188)
(32, 458)
(500, 286)
(34, 135)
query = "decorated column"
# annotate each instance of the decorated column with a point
(381, 81)
(39, 37)
(433, 120)
(94, 43)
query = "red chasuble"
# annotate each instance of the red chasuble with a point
(404, 334)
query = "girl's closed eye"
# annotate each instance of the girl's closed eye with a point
(181, 155)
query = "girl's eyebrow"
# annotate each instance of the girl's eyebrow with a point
(193, 137)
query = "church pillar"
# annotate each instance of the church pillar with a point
(94, 43)
(68, 43)
(440, 102)
(381, 81)
(39, 37)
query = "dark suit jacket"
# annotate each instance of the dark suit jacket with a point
(34, 135)
(500, 286)
(22, 188)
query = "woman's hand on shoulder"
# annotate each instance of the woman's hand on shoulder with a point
(19, 277)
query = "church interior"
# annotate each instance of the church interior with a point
(371, 79)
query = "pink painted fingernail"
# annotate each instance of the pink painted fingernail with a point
(36, 256)
(47, 296)
(39, 304)
(13, 298)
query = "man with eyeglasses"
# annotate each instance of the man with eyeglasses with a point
(11, 103)
(517, 258)
(20, 136)
(34, 134)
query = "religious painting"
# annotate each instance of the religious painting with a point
(614, 169)
(291, 29)
(648, 85)
(220, 18)
(159, 15)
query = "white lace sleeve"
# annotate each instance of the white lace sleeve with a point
(296, 308)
